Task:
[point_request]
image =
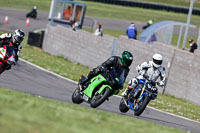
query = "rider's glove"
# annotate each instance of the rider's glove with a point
(138, 68)
(102, 69)
(98, 70)
(161, 83)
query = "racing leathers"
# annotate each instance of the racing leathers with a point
(148, 71)
(113, 62)
(7, 39)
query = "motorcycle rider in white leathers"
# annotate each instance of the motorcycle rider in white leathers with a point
(150, 70)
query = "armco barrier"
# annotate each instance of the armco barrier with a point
(85, 48)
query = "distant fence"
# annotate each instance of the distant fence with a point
(149, 5)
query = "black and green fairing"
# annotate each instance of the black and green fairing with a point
(126, 58)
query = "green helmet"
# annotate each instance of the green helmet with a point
(150, 22)
(126, 58)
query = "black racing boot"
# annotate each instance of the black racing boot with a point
(82, 82)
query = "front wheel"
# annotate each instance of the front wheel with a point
(98, 99)
(76, 97)
(141, 105)
(122, 106)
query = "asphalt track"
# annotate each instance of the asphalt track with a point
(31, 79)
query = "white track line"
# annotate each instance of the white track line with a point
(48, 71)
(115, 95)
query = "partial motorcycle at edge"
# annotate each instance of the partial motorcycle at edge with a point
(7, 58)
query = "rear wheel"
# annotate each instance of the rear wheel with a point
(98, 99)
(76, 97)
(122, 106)
(141, 105)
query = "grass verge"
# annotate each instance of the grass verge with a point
(25, 113)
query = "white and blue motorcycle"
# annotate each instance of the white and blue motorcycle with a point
(148, 91)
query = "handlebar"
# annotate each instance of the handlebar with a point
(113, 81)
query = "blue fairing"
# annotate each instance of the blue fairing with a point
(142, 81)
(130, 105)
(143, 95)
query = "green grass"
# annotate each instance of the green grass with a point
(95, 9)
(135, 14)
(176, 106)
(25, 113)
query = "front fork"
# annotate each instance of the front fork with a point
(133, 105)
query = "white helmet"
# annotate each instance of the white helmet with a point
(18, 36)
(35, 7)
(157, 60)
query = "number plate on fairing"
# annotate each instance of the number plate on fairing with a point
(85, 97)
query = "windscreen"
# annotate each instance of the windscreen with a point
(10, 51)
(118, 74)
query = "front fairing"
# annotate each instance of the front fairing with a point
(7, 55)
(109, 79)
(2, 53)
(10, 56)
(94, 83)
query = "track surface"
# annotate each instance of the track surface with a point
(27, 78)
(30, 79)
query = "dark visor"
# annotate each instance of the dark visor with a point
(18, 38)
(158, 62)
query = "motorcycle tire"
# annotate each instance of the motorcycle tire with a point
(100, 98)
(122, 106)
(76, 97)
(146, 101)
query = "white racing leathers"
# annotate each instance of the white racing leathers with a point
(147, 70)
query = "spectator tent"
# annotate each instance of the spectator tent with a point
(162, 32)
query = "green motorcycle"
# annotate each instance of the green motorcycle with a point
(99, 88)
